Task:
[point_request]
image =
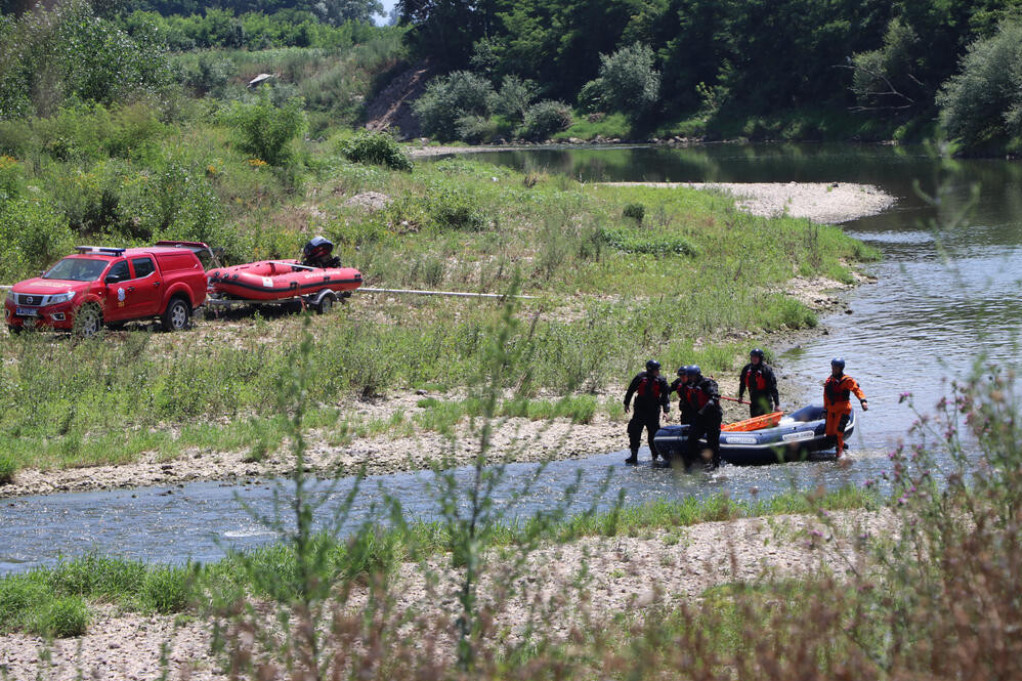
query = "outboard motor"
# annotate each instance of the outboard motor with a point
(318, 253)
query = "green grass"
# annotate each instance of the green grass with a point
(608, 126)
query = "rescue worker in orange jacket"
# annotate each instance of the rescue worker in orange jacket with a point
(651, 395)
(758, 378)
(704, 399)
(837, 390)
(680, 386)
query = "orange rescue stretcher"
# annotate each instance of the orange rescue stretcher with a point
(758, 423)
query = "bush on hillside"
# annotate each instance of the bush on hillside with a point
(448, 99)
(515, 97)
(375, 148)
(266, 130)
(545, 119)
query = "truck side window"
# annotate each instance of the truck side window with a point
(120, 269)
(143, 267)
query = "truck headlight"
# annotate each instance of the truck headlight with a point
(61, 298)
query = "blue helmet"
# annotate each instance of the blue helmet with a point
(683, 370)
(838, 362)
(757, 353)
(652, 365)
(693, 370)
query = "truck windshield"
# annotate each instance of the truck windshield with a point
(77, 269)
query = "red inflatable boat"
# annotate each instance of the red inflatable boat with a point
(279, 279)
(314, 278)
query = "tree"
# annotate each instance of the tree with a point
(983, 102)
(628, 82)
(337, 12)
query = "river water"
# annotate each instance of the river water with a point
(943, 300)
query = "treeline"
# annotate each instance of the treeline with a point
(332, 12)
(216, 28)
(884, 59)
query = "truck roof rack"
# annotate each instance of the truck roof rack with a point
(100, 250)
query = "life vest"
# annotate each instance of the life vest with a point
(755, 381)
(649, 388)
(837, 389)
(696, 397)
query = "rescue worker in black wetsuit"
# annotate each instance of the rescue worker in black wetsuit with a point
(704, 400)
(758, 378)
(680, 386)
(651, 396)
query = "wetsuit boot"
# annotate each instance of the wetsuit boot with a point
(634, 458)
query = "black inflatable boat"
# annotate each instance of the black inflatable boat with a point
(799, 436)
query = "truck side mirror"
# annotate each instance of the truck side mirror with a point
(111, 279)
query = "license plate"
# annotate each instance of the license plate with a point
(26, 312)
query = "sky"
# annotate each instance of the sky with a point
(387, 6)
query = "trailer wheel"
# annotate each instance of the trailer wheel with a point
(326, 303)
(177, 315)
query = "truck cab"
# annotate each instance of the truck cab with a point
(100, 285)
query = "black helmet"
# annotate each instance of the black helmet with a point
(682, 370)
(652, 365)
(838, 362)
(693, 370)
(757, 353)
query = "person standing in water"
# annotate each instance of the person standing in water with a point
(651, 395)
(704, 401)
(758, 378)
(837, 390)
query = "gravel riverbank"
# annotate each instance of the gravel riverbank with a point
(593, 579)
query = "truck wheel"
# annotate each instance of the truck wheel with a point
(326, 303)
(88, 321)
(177, 314)
(13, 330)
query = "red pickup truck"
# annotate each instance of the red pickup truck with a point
(99, 285)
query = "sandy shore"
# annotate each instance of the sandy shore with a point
(824, 202)
(592, 577)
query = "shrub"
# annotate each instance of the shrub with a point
(515, 98)
(8, 467)
(32, 236)
(448, 99)
(590, 97)
(267, 131)
(984, 102)
(635, 211)
(165, 590)
(628, 82)
(629, 242)
(544, 119)
(452, 209)
(476, 129)
(62, 618)
(11, 178)
(376, 148)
